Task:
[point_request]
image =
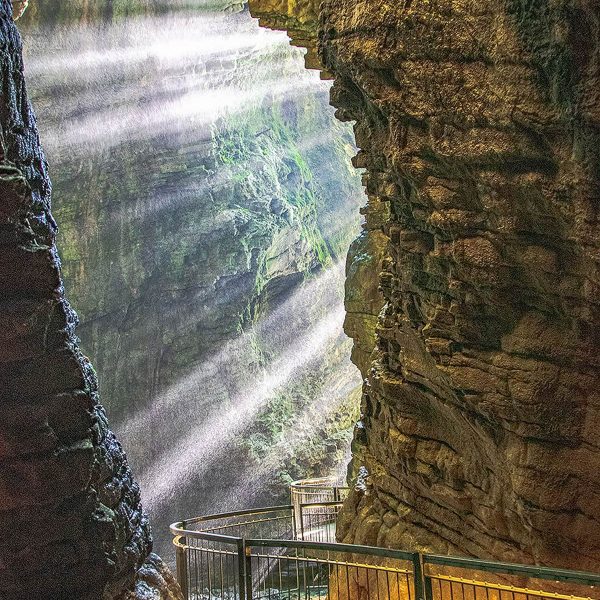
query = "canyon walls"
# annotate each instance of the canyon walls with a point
(206, 200)
(71, 521)
(478, 128)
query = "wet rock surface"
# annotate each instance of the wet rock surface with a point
(154, 582)
(186, 243)
(478, 127)
(71, 521)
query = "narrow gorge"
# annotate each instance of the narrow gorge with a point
(205, 216)
(215, 238)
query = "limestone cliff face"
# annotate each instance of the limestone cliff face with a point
(478, 123)
(298, 17)
(71, 521)
(184, 245)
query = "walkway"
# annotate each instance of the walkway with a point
(290, 553)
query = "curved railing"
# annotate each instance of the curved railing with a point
(316, 503)
(319, 489)
(260, 554)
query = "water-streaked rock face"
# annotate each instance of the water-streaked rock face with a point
(180, 225)
(71, 520)
(478, 123)
(205, 201)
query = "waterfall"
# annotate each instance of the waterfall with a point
(206, 203)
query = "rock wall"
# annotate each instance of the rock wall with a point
(478, 124)
(71, 521)
(299, 18)
(204, 233)
(186, 244)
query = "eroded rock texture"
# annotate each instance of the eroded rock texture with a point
(478, 123)
(71, 521)
(299, 18)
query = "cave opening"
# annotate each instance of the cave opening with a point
(206, 203)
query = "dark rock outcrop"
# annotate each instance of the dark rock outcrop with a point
(154, 581)
(478, 124)
(71, 521)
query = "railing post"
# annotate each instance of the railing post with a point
(428, 588)
(419, 576)
(302, 522)
(182, 566)
(241, 552)
(294, 523)
(248, 570)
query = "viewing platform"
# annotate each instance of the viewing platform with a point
(290, 553)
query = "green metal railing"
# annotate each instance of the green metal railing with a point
(310, 498)
(271, 554)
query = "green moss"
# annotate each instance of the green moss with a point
(163, 278)
(262, 153)
(306, 443)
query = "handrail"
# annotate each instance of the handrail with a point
(314, 491)
(316, 482)
(333, 547)
(279, 549)
(175, 528)
(321, 504)
(209, 537)
(547, 573)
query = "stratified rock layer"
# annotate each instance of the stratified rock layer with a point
(478, 123)
(71, 522)
(298, 17)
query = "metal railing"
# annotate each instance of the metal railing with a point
(317, 500)
(321, 489)
(261, 555)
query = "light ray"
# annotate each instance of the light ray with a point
(111, 92)
(165, 478)
(303, 427)
(325, 288)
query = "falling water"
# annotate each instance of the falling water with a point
(211, 437)
(212, 396)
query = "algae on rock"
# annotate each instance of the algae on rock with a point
(179, 239)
